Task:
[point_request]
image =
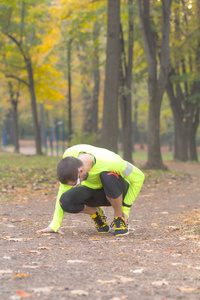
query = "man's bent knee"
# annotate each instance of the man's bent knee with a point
(69, 205)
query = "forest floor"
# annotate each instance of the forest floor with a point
(159, 259)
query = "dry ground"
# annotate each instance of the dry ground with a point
(159, 259)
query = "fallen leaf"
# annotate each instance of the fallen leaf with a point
(45, 290)
(112, 281)
(188, 290)
(137, 271)
(35, 267)
(124, 279)
(154, 224)
(10, 239)
(23, 294)
(94, 239)
(33, 251)
(8, 271)
(30, 267)
(44, 248)
(119, 298)
(19, 275)
(79, 293)
(160, 283)
(76, 261)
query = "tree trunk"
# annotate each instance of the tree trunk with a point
(16, 131)
(110, 111)
(14, 103)
(180, 142)
(193, 123)
(126, 105)
(184, 110)
(96, 72)
(34, 108)
(69, 91)
(42, 124)
(156, 86)
(87, 124)
(153, 138)
(135, 126)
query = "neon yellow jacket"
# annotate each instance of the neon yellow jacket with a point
(105, 161)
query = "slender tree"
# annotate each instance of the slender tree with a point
(96, 75)
(126, 85)
(69, 46)
(23, 48)
(157, 76)
(14, 99)
(183, 93)
(109, 137)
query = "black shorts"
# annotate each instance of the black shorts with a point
(74, 200)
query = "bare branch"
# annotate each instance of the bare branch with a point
(19, 46)
(17, 78)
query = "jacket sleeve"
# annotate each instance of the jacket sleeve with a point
(135, 177)
(59, 212)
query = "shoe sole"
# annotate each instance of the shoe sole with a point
(121, 234)
(104, 231)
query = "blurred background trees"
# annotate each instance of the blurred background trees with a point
(135, 82)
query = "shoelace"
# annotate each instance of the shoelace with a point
(100, 219)
(120, 220)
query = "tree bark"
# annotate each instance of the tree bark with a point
(156, 86)
(34, 107)
(126, 74)
(180, 142)
(30, 83)
(185, 111)
(14, 102)
(109, 137)
(69, 91)
(96, 72)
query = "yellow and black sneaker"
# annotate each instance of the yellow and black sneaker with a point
(120, 227)
(99, 219)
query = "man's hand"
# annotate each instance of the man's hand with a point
(49, 230)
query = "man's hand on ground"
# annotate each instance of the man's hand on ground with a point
(49, 230)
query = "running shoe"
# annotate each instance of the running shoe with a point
(120, 227)
(99, 219)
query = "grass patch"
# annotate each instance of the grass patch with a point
(20, 170)
(159, 175)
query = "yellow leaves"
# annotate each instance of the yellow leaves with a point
(49, 83)
(20, 275)
(48, 42)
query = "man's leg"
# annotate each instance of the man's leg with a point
(82, 199)
(115, 189)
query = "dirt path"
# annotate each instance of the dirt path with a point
(159, 259)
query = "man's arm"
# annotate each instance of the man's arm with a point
(58, 213)
(136, 179)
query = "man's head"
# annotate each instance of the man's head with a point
(68, 170)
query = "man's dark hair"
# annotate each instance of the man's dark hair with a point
(67, 169)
